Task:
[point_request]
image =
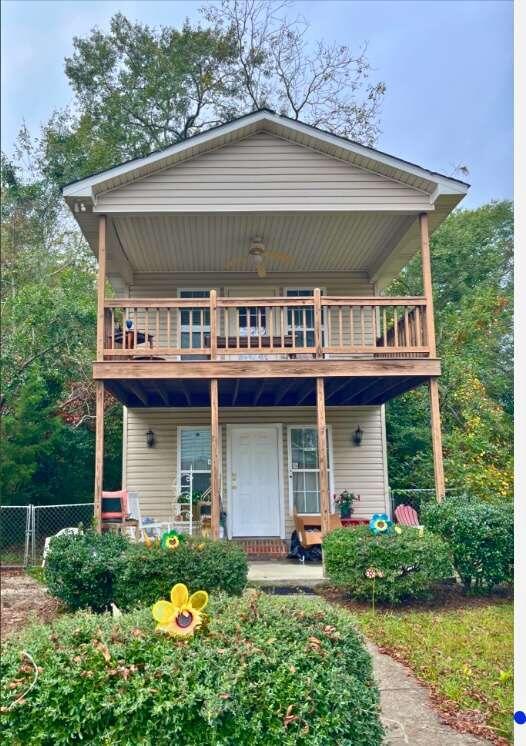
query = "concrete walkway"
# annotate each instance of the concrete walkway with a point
(407, 713)
(281, 573)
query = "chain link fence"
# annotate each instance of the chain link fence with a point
(25, 528)
(418, 497)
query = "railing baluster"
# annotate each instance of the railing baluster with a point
(407, 340)
(395, 326)
(227, 326)
(373, 321)
(249, 327)
(258, 321)
(270, 311)
(417, 327)
(293, 325)
(362, 327)
(384, 317)
(168, 325)
(351, 326)
(112, 328)
(134, 328)
(340, 325)
(202, 328)
(282, 312)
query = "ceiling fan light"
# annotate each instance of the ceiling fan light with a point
(258, 258)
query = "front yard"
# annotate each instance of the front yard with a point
(460, 647)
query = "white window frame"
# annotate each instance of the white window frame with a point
(180, 329)
(304, 288)
(330, 469)
(180, 429)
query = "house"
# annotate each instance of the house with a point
(247, 333)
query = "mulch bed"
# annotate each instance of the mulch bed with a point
(448, 597)
(23, 600)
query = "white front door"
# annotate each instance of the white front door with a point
(255, 481)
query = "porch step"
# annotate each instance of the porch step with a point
(264, 548)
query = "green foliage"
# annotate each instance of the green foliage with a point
(267, 671)
(91, 570)
(481, 539)
(472, 280)
(406, 565)
(146, 575)
(80, 568)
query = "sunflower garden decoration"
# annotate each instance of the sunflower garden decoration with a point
(380, 523)
(182, 615)
(172, 539)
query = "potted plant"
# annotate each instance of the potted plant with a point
(344, 503)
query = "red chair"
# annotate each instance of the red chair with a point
(406, 516)
(114, 506)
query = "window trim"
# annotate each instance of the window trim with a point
(300, 288)
(189, 355)
(330, 454)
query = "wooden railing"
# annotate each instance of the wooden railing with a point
(218, 328)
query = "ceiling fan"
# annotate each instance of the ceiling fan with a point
(259, 254)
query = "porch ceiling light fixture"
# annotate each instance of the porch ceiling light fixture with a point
(150, 438)
(357, 436)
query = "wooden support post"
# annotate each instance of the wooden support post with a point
(322, 456)
(214, 479)
(436, 435)
(99, 451)
(101, 282)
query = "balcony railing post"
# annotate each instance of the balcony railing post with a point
(317, 323)
(213, 324)
(101, 282)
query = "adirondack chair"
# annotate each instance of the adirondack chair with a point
(407, 516)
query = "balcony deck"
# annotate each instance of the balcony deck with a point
(264, 351)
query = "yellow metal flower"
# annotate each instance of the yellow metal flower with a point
(182, 615)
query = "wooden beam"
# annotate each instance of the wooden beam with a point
(282, 393)
(99, 452)
(323, 463)
(307, 390)
(162, 393)
(436, 437)
(363, 388)
(334, 390)
(131, 369)
(317, 323)
(213, 324)
(101, 282)
(427, 283)
(139, 393)
(215, 461)
(186, 394)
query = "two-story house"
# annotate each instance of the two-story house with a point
(247, 337)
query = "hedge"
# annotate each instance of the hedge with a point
(266, 671)
(404, 566)
(92, 570)
(480, 535)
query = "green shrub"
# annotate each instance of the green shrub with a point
(480, 535)
(91, 570)
(80, 568)
(407, 564)
(145, 575)
(267, 671)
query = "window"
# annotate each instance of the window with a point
(194, 320)
(195, 461)
(304, 468)
(301, 319)
(257, 321)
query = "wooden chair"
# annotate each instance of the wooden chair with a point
(115, 513)
(406, 516)
(308, 528)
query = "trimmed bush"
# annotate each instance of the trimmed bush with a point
(480, 535)
(80, 568)
(267, 671)
(405, 565)
(145, 575)
(91, 570)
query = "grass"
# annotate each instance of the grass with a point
(464, 654)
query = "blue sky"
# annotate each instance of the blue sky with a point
(448, 66)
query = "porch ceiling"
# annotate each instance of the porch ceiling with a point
(266, 392)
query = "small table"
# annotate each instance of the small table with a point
(354, 522)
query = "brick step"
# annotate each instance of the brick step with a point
(263, 548)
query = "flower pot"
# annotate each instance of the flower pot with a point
(345, 511)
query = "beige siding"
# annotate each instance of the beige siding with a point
(263, 172)
(152, 471)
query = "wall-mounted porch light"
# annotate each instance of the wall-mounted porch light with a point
(357, 436)
(150, 439)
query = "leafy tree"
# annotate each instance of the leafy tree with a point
(139, 88)
(473, 289)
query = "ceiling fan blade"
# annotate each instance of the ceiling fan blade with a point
(237, 262)
(279, 256)
(261, 270)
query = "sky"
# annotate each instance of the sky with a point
(447, 65)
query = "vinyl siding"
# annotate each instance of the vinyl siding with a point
(153, 471)
(263, 172)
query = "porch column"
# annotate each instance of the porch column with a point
(214, 477)
(436, 435)
(322, 456)
(99, 385)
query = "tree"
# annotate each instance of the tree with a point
(473, 290)
(139, 88)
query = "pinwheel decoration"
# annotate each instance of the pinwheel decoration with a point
(182, 615)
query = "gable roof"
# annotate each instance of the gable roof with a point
(362, 156)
